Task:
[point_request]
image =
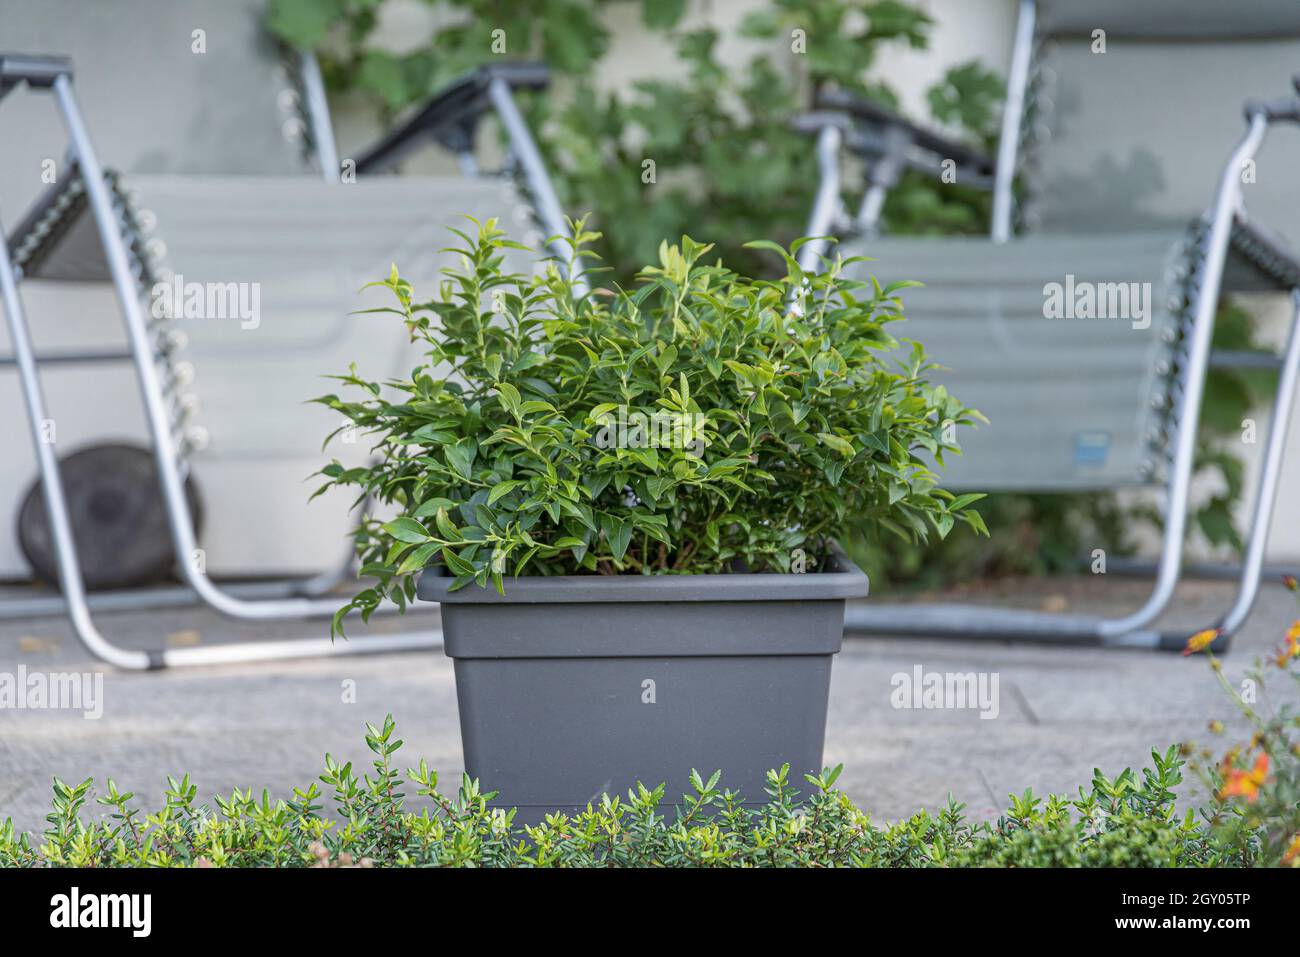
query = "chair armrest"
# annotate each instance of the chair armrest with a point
(893, 127)
(451, 116)
(38, 70)
(1264, 251)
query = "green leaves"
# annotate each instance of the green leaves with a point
(406, 530)
(970, 96)
(460, 456)
(457, 565)
(302, 23)
(840, 445)
(618, 535)
(509, 396)
(418, 558)
(739, 167)
(688, 425)
(445, 526)
(502, 489)
(662, 14)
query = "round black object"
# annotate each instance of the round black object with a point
(118, 518)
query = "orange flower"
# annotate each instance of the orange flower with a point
(1290, 582)
(1292, 852)
(1245, 784)
(1292, 647)
(1200, 641)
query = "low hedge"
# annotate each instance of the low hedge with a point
(1252, 819)
(1122, 821)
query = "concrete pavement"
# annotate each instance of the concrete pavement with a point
(1061, 711)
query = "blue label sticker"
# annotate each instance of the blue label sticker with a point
(1091, 448)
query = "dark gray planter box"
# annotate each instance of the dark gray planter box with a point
(573, 686)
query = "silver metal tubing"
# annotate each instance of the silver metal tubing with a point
(873, 204)
(52, 486)
(980, 621)
(1204, 571)
(291, 649)
(179, 518)
(318, 114)
(1270, 474)
(882, 177)
(539, 183)
(826, 205)
(179, 596)
(1012, 114)
(1198, 354)
(1236, 359)
(43, 605)
(73, 587)
(73, 358)
(1134, 630)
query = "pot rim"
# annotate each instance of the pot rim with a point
(843, 580)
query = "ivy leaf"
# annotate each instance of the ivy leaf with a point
(382, 75)
(662, 14)
(302, 23)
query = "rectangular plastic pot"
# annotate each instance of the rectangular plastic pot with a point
(573, 686)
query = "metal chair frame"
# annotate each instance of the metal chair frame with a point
(277, 601)
(1225, 226)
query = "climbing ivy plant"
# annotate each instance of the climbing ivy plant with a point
(704, 148)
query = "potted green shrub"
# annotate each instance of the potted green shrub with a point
(626, 504)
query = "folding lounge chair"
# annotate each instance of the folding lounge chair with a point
(1112, 153)
(221, 190)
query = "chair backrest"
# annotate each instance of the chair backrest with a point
(165, 86)
(286, 261)
(1133, 138)
(1133, 109)
(1076, 394)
